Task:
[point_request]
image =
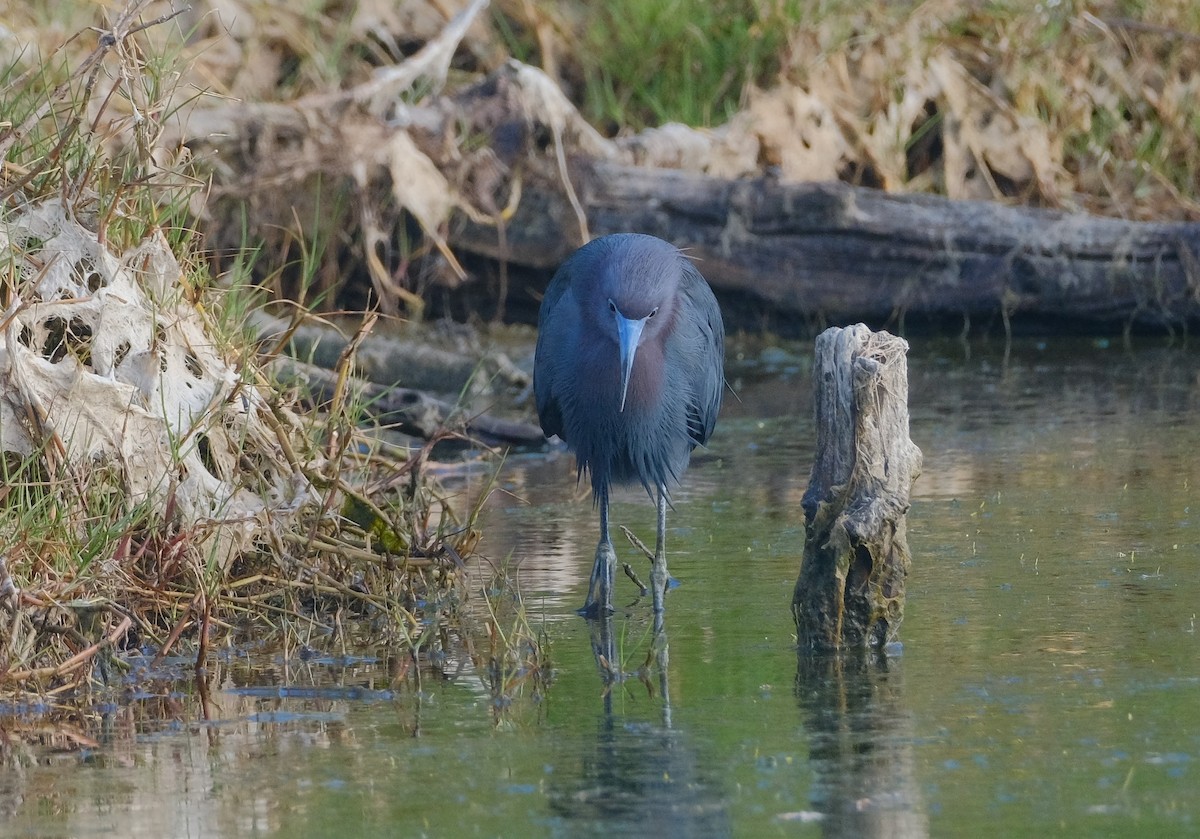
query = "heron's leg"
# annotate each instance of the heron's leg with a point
(658, 580)
(658, 572)
(599, 596)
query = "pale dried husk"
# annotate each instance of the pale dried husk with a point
(104, 362)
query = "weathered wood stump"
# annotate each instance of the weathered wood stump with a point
(850, 593)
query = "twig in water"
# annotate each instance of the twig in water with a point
(631, 574)
(183, 623)
(637, 543)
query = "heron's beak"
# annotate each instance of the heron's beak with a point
(629, 333)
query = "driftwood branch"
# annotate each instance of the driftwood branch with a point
(398, 380)
(850, 593)
(410, 361)
(411, 411)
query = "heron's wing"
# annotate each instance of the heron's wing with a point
(553, 342)
(559, 283)
(708, 373)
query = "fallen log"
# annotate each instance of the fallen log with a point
(842, 252)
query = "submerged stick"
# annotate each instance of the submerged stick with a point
(850, 592)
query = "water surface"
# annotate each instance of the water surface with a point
(1048, 683)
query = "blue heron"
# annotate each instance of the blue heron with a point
(628, 371)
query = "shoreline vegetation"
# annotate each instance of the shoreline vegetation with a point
(163, 496)
(168, 173)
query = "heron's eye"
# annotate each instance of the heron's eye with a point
(653, 312)
(612, 307)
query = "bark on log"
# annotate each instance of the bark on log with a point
(842, 252)
(850, 592)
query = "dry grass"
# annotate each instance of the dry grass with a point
(1060, 103)
(1068, 104)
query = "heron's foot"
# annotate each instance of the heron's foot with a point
(599, 597)
(672, 583)
(594, 610)
(643, 589)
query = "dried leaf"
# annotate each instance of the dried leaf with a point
(798, 133)
(419, 187)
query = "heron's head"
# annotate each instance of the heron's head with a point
(634, 298)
